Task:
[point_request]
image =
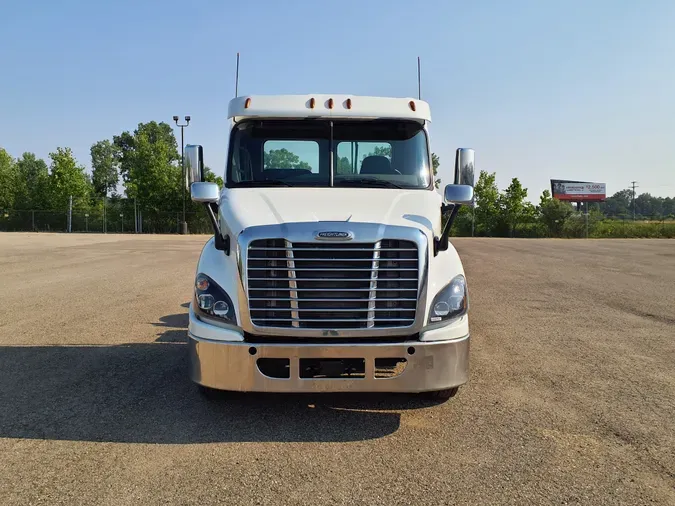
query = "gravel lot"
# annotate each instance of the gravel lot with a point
(571, 398)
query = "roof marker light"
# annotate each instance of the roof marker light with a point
(412, 105)
(247, 104)
(311, 103)
(330, 103)
(349, 103)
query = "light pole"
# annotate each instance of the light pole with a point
(183, 225)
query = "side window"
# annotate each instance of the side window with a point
(291, 155)
(350, 155)
(242, 169)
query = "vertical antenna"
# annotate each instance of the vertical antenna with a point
(419, 80)
(236, 82)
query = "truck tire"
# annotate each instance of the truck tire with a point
(209, 393)
(442, 395)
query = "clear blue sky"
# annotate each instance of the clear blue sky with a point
(541, 89)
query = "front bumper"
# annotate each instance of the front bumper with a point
(231, 365)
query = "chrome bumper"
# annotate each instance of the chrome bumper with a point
(434, 365)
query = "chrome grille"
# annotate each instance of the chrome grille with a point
(332, 286)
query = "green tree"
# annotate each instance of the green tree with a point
(487, 203)
(149, 164)
(435, 163)
(554, 213)
(210, 177)
(8, 180)
(67, 178)
(284, 159)
(512, 205)
(104, 167)
(33, 183)
(462, 224)
(647, 206)
(344, 166)
(544, 198)
(618, 205)
(381, 151)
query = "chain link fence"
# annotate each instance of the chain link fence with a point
(124, 216)
(110, 220)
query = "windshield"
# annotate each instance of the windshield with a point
(372, 153)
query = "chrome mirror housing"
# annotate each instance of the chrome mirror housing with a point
(464, 166)
(204, 192)
(194, 163)
(459, 194)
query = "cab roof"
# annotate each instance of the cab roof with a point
(327, 106)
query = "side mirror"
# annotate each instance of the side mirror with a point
(459, 194)
(464, 165)
(205, 192)
(194, 163)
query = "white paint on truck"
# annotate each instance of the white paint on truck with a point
(334, 274)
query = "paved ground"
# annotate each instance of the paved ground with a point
(571, 399)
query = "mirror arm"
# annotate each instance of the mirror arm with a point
(222, 243)
(442, 243)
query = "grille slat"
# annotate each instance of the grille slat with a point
(328, 269)
(341, 249)
(345, 260)
(331, 320)
(332, 285)
(315, 279)
(333, 289)
(336, 300)
(341, 309)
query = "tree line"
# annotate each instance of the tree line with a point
(146, 162)
(508, 214)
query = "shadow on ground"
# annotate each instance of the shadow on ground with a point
(140, 393)
(176, 325)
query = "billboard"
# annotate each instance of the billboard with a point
(578, 191)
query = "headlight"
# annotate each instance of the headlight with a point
(451, 302)
(211, 300)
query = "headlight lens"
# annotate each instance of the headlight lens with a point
(451, 302)
(211, 300)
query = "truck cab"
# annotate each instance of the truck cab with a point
(330, 267)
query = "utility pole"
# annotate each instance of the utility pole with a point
(634, 186)
(473, 217)
(183, 226)
(70, 214)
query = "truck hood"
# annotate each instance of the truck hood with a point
(242, 208)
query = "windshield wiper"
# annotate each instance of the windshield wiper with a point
(264, 182)
(366, 181)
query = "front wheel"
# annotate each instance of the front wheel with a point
(209, 393)
(442, 395)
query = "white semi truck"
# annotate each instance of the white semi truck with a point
(330, 267)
